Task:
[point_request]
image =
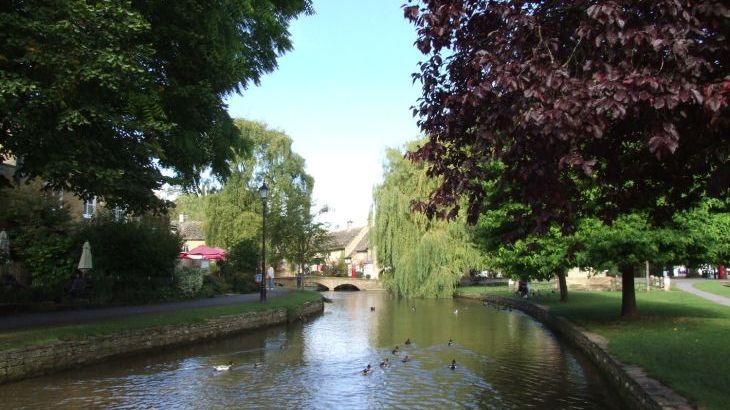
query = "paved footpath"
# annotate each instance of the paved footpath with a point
(687, 285)
(28, 320)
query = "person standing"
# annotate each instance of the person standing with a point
(271, 277)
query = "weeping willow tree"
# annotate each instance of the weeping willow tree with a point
(421, 257)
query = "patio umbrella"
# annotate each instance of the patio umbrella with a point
(207, 252)
(85, 264)
(4, 243)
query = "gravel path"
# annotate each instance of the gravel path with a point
(687, 286)
(27, 320)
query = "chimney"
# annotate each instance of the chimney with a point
(349, 224)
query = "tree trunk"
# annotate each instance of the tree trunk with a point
(693, 272)
(563, 287)
(628, 294)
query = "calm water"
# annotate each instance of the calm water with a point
(505, 361)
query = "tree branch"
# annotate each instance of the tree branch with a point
(539, 34)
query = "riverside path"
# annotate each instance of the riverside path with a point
(28, 320)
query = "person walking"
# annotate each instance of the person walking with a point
(271, 277)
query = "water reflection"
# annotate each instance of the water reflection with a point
(505, 360)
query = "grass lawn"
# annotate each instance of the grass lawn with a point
(718, 287)
(679, 339)
(20, 338)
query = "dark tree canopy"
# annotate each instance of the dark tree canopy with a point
(98, 97)
(628, 97)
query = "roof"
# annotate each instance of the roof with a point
(340, 239)
(364, 243)
(191, 230)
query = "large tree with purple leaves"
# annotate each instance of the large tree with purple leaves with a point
(628, 97)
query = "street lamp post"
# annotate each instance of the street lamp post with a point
(264, 193)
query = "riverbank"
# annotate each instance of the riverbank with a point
(31, 352)
(678, 339)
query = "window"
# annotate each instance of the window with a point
(89, 208)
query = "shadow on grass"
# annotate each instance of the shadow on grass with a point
(604, 307)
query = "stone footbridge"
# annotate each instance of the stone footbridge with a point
(332, 283)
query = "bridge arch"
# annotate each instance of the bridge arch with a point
(321, 287)
(346, 287)
(325, 283)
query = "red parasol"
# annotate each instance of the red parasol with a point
(208, 253)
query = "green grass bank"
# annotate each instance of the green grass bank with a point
(678, 338)
(721, 288)
(45, 335)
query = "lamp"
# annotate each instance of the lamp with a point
(264, 191)
(264, 194)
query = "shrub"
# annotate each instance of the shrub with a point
(338, 268)
(134, 259)
(188, 281)
(240, 268)
(39, 231)
(213, 286)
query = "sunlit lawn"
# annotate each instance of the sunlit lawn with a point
(721, 287)
(680, 339)
(35, 336)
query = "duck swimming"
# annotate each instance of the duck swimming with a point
(406, 359)
(366, 371)
(223, 367)
(385, 363)
(372, 308)
(452, 366)
(408, 341)
(396, 350)
(451, 342)
(258, 365)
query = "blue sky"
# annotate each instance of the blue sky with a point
(342, 94)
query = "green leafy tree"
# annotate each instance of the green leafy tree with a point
(539, 257)
(511, 246)
(422, 258)
(626, 243)
(700, 235)
(99, 97)
(234, 213)
(308, 238)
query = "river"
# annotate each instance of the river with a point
(505, 360)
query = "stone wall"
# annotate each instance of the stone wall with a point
(637, 390)
(594, 283)
(17, 364)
